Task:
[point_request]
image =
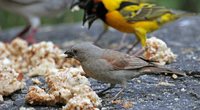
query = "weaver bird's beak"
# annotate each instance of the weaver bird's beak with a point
(74, 4)
(90, 22)
(69, 54)
(81, 3)
(89, 18)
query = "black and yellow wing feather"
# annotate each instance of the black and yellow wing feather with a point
(143, 12)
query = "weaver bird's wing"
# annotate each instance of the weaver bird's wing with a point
(25, 2)
(143, 12)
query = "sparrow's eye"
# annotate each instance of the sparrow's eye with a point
(75, 51)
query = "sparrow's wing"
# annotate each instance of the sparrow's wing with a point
(121, 61)
(25, 2)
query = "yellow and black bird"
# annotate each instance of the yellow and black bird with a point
(128, 16)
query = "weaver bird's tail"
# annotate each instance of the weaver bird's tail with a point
(173, 15)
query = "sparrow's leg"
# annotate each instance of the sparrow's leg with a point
(120, 92)
(101, 93)
(101, 34)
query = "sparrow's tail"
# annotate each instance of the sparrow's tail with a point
(158, 70)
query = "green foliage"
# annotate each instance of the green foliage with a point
(8, 20)
(186, 5)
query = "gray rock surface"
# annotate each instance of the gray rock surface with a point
(147, 92)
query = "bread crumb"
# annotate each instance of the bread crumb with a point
(157, 50)
(1, 98)
(174, 76)
(68, 87)
(10, 80)
(165, 84)
(63, 76)
(24, 108)
(23, 58)
(128, 105)
(117, 102)
(36, 81)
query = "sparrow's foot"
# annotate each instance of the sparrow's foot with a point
(117, 95)
(101, 93)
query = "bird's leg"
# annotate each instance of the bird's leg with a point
(30, 37)
(121, 45)
(101, 93)
(141, 37)
(120, 92)
(24, 31)
(139, 52)
(27, 34)
(101, 34)
(34, 22)
(136, 42)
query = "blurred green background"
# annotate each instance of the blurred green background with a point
(9, 20)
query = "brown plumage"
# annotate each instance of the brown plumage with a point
(112, 66)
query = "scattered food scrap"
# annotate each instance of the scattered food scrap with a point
(23, 58)
(26, 108)
(38, 96)
(10, 81)
(157, 50)
(128, 105)
(117, 101)
(1, 98)
(174, 76)
(67, 87)
(125, 104)
(165, 84)
(36, 81)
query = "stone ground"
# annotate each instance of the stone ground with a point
(147, 92)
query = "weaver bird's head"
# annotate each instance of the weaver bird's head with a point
(89, 7)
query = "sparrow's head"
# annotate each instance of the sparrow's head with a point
(84, 51)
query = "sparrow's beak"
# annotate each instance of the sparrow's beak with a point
(69, 54)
